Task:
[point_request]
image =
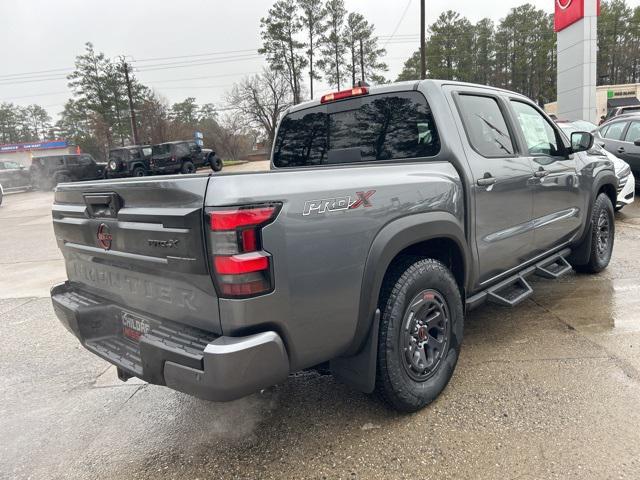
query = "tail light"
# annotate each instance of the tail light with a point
(241, 268)
(173, 159)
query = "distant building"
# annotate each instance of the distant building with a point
(608, 97)
(258, 153)
(24, 152)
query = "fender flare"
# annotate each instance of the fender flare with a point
(357, 366)
(580, 254)
(392, 239)
(135, 165)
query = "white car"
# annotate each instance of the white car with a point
(627, 182)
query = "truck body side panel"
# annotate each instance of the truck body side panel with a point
(320, 249)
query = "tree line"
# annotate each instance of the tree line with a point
(305, 41)
(338, 46)
(24, 124)
(519, 52)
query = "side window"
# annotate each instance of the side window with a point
(367, 129)
(633, 133)
(541, 138)
(146, 151)
(182, 149)
(485, 126)
(85, 160)
(615, 131)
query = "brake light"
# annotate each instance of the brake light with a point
(240, 267)
(352, 92)
(173, 159)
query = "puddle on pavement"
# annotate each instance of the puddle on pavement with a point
(593, 306)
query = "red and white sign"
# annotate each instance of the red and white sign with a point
(569, 12)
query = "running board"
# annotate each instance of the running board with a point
(553, 269)
(510, 294)
(516, 289)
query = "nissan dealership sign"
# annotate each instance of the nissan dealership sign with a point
(569, 12)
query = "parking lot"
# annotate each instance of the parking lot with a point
(549, 389)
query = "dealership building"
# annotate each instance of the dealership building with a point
(607, 97)
(23, 153)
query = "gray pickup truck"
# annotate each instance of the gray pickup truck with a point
(388, 213)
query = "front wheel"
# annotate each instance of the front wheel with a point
(420, 334)
(216, 163)
(603, 229)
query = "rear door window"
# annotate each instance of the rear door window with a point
(633, 133)
(615, 131)
(365, 129)
(163, 149)
(485, 126)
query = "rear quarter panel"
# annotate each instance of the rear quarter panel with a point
(319, 257)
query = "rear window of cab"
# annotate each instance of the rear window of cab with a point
(363, 129)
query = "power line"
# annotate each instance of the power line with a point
(195, 55)
(406, 9)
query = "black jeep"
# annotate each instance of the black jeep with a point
(130, 161)
(182, 157)
(47, 172)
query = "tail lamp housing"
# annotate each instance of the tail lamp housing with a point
(240, 267)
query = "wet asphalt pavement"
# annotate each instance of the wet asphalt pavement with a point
(550, 389)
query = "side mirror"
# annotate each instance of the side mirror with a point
(637, 143)
(581, 142)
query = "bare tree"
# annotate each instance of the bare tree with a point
(261, 100)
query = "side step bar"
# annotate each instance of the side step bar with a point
(515, 289)
(511, 293)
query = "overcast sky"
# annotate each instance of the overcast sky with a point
(43, 35)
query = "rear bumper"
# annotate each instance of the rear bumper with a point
(189, 360)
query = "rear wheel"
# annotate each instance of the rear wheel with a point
(420, 334)
(139, 172)
(188, 167)
(603, 229)
(60, 179)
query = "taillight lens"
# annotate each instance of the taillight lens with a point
(241, 268)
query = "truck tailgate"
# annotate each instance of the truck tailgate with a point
(139, 244)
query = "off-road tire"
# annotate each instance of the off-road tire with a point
(139, 172)
(188, 167)
(216, 163)
(599, 258)
(59, 179)
(408, 279)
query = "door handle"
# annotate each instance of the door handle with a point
(541, 173)
(621, 150)
(487, 181)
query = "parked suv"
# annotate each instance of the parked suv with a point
(183, 157)
(621, 137)
(13, 178)
(47, 172)
(390, 212)
(130, 161)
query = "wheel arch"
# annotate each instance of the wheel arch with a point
(438, 235)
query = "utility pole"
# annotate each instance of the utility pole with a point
(132, 112)
(423, 41)
(362, 60)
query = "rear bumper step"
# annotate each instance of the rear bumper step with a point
(184, 358)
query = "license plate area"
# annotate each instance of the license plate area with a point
(134, 326)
